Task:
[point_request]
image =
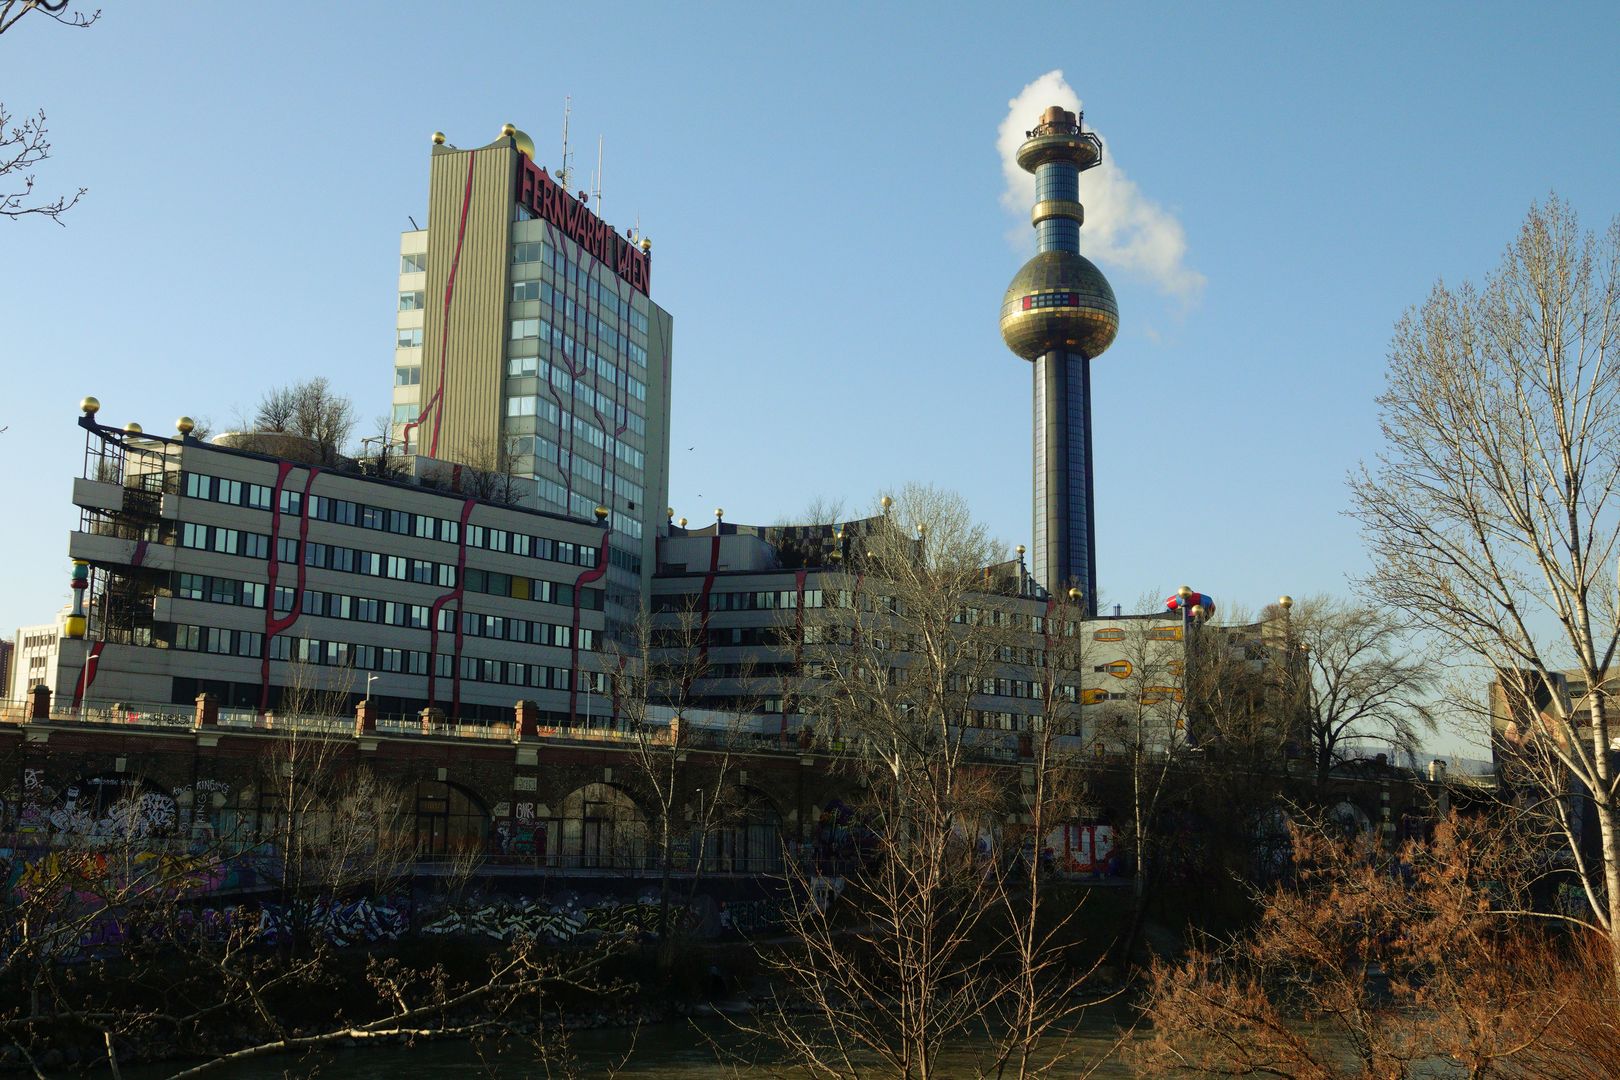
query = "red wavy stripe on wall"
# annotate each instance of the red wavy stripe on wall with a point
(272, 625)
(88, 675)
(585, 578)
(449, 294)
(433, 617)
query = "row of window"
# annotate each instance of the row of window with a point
(522, 406)
(213, 639)
(554, 335)
(568, 269)
(399, 522)
(1049, 300)
(217, 590)
(420, 617)
(518, 367)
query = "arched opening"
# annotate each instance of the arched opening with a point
(747, 835)
(450, 820)
(602, 827)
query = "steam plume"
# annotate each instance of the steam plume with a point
(1123, 228)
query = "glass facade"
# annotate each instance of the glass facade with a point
(576, 397)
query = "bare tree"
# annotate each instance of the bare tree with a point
(1370, 964)
(488, 471)
(380, 454)
(275, 410)
(23, 146)
(312, 410)
(1491, 513)
(1359, 678)
(932, 926)
(1143, 728)
(683, 754)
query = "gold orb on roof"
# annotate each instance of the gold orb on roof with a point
(719, 512)
(1020, 550)
(683, 523)
(646, 246)
(185, 425)
(886, 502)
(1074, 595)
(1197, 611)
(671, 512)
(508, 130)
(525, 144)
(1285, 602)
(90, 405)
(1184, 592)
(601, 513)
(438, 138)
(132, 428)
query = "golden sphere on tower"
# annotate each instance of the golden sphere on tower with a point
(1285, 602)
(1020, 550)
(1197, 611)
(646, 246)
(601, 513)
(683, 523)
(1075, 596)
(886, 502)
(1184, 592)
(185, 425)
(670, 513)
(438, 138)
(132, 428)
(525, 144)
(508, 130)
(90, 405)
(719, 512)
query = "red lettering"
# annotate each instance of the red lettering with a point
(537, 191)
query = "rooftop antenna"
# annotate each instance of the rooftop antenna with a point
(596, 195)
(564, 172)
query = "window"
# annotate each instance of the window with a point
(258, 496)
(527, 252)
(525, 328)
(519, 366)
(228, 491)
(191, 587)
(410, 337)
(413, 263)
(412, 301)
(525, 290)
(199, 486)
(520, 406)
(407, 376)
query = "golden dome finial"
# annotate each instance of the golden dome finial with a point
(90, 406)
(601, 513)
(1184, 592)
(719, 513)
(646, 246)
(683, 523)
(438, 138)
(1285, 602)
(885, 502)
(508, 130)
(133, 428)
(1075, 595)
(185, 425)
(670, 513)
(1198, 611)
(1020, 550)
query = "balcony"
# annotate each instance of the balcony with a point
(102, 550)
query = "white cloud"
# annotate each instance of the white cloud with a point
(1124, 228)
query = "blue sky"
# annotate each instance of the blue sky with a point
(824, 193)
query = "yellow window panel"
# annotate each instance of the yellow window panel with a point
(1119, 669)
(1112, 633)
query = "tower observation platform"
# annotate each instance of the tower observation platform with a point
(1060, 314)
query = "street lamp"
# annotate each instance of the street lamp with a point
(370, 678)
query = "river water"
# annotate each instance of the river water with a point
(671, 1051)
